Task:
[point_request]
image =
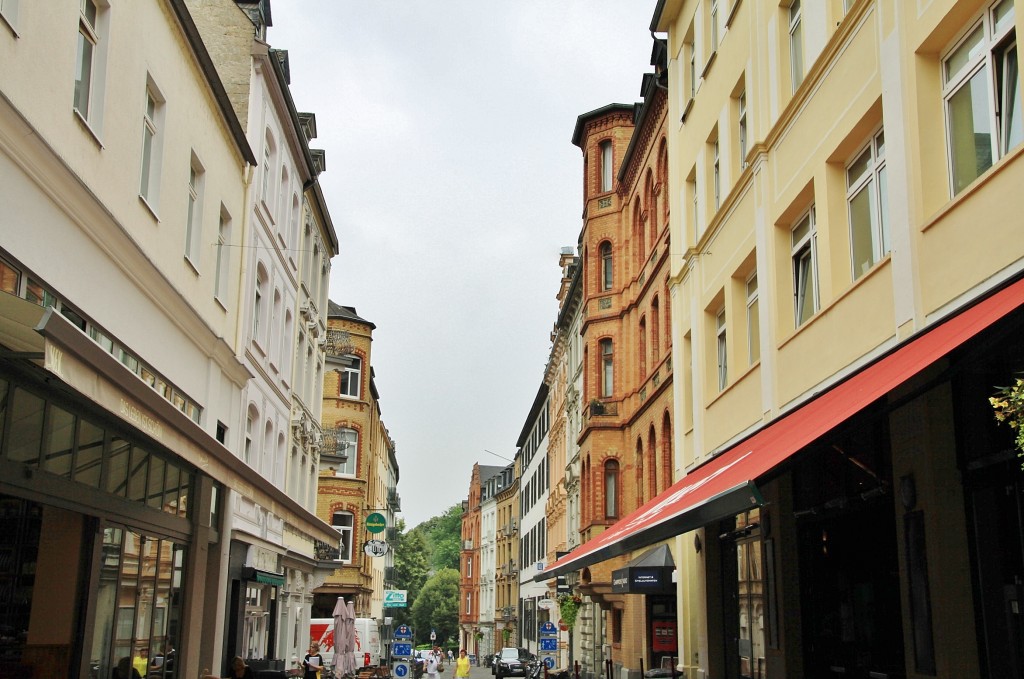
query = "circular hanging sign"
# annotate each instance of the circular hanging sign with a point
(545, 604)
(375, 548)
(376, 523)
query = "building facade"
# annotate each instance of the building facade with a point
(357, 468)
(846, 285)
(123, 417)
(534, 486)
(506, 576)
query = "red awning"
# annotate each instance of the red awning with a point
(725, 486)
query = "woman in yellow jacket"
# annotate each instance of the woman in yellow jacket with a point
(462, 665)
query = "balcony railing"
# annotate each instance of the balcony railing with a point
(394, 500)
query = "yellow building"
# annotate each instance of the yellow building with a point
(846, 290)
(358, 470)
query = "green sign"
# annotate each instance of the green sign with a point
(376, 523)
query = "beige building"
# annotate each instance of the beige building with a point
(846, 296)
(358, 474)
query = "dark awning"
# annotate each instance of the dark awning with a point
(265, 577)
(725, 486)
(649, 573)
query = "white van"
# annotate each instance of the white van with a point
(367, 643)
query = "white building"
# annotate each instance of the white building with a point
(489, 489)
(533, 495)
(125, 173)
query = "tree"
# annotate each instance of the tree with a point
(443, 535)
(411, 565)
(437, 607)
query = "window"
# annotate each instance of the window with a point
(611, 489)
(194, 218)
(693, 71)
(607, 272)
(350, 377)
(796, 49)
(753, 321)
(716, 175)
(249, 418)
(723, 350)
(86, 59)
(10, 278)
(606, 165)
(257, 306)
(152, 146)
(714, 25)
(981, 88)
(607, 368)
(742, 110)
(866, 196)
(805, 268)
(342, 522)
(347, 449)
(220, 283)
(268, 148)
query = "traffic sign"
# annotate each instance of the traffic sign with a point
(433, 635)
(376, 523)
(562, 626)
(401, 670)
(401, 650)
(548, 644)
(548, 628)
(549, 662)
(403, 632)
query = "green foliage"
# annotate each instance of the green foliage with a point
(411, 568)
(1008, 404)
(437, 607)
(443, 537)
(569, 608)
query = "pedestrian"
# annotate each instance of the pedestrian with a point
(313, 662)
(462, 665)
(451, 656)
(432, 664)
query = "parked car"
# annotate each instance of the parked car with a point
(513, 662)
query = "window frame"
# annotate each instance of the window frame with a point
(796, 47)
(88, 35)
(606, 180)
(804, 250)
(611, 489)
(870, 182)
(753, 319)
(345, 548)
(722, 343)
(152, 146)
(606, 351)
(741, 103)
(607, 265)
(987, 64)
(352, 374)
(194, 215)
(223, 265)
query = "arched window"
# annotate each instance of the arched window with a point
(639, 466)
(652, 208)
(655, 340)
(251, 417)
(611, 489)
(666, 451)
(642, 349)
(638, 234)
(607, 267)
(607, 368)
(652, 474)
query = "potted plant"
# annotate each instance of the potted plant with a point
(569, 608)
(596, 407)
(1008, 404)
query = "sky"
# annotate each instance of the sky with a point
(453, 185)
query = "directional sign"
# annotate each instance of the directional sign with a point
(403, 632)
(403, 650)
(401, 670)
(549, 644)
(433, 635)
(548, 628)
(376, 523)
(549, 662)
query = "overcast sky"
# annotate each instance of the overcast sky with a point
(453, 185)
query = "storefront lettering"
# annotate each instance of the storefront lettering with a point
(141, 419)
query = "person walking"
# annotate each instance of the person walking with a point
(462, 665)
(430, 666)
(313, 662)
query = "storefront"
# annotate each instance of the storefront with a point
(872, 532)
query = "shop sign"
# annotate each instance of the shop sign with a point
(376, 523)
(643, 580)
(375, 548)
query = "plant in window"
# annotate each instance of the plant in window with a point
(1008, 404)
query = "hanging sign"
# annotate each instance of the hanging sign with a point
(375, 548)
(376, 523)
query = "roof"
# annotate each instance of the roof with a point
(583, 119)
(346, 312)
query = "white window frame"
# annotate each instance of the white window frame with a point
(796, 45)
(348, 448)
(607, 264)
(607, 161)
(742, 127)
(869, 183)
(714, 25)
(257, 305)
(344, 529)
(352, 374)
(194, 216)
(753, 320)
(717, 174)
(152, 146)
(222, 271)
(722, 342)
(985, 67)
(87, 58)
(805, 268)
(606, 349)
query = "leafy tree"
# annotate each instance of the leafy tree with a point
(410, 563)
(443, 535)
(437, 607)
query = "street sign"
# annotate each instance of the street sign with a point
(395, 598)
(433, 635)
(403, 632)
(562, 626)
(548, 644)
(376, 523)
(401, 670)
(545, 604)
(548, 628)
(375, 548)
(549, 662)
(401, 650)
